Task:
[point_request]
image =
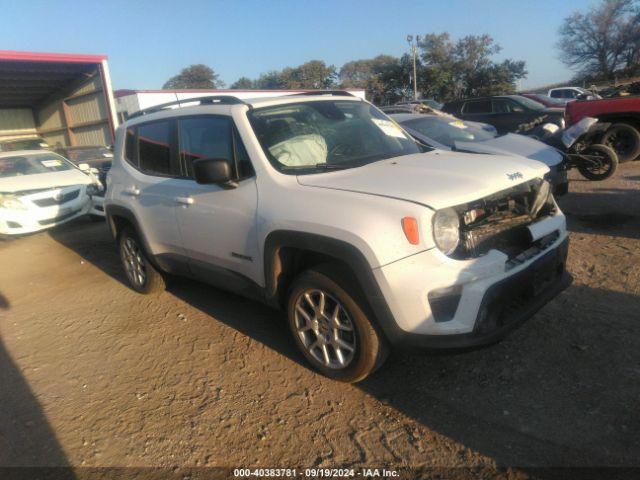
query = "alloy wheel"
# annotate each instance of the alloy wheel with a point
(325, 329)
(133, 262)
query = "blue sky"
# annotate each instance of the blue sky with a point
(149, 41)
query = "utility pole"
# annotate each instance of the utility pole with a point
(414, 49)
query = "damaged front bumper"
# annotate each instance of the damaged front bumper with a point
(441, 303)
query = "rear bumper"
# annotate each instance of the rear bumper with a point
(505, 305)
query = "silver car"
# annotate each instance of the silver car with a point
(449, 133)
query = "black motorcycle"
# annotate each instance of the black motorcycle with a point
(579, 144)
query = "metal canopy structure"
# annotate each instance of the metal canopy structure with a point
(29, 79)
(68, 96)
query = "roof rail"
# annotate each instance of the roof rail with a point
(337, 93)
(209, 100)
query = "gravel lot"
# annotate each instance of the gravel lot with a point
(92, 374)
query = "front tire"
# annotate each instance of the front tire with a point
(330, 327)
(141, 274)
(608, 163)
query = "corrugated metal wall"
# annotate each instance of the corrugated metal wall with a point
(79, 118)
(17, 121)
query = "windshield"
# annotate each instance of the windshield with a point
(555, 101)
(527, 102)
(448, 130)
(32, 164)
(327, 134)
(87, 154)
(28, 144)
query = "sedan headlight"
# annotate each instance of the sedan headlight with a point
(93, 189)
(446, 230)
(11, 202)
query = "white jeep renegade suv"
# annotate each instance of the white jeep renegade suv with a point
(323, 206)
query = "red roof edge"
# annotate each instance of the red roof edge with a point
(50, 57)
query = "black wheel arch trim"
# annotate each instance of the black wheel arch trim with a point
(112, 211)
(340, 250)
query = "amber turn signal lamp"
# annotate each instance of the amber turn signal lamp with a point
(410, 228)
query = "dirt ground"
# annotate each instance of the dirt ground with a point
(93, 374)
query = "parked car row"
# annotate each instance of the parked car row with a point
(562, 107)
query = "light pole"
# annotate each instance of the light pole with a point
(414, 48)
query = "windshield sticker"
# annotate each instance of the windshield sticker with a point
(51, 163)
(458, 124)
(389, 128)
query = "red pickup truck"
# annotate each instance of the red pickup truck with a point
(623, 115)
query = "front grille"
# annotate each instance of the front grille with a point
(60, 218)
(500, 221)
(534, 250)
(51, 201)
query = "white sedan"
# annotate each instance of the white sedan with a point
(40, 189)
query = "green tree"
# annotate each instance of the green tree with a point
(314, 74)
(195, 76)
(385, 78)
(271, 80)
(464, 68)
(603, 40)
(243, 83)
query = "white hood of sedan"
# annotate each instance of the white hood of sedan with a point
(436, 179)
(44, 180)
(514, 144)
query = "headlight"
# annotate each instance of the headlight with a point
(11, 202)
(93, 189)
(446, 230)
(544, 192)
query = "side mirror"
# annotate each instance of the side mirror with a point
(213, 171)
(84, 167)
(518, 109)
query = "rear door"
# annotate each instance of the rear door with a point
(477, 111)
(218, 224)
(508, 115)
(152, 186)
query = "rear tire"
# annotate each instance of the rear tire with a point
(141, 274)
(330, 327)
(624, 139)
(609, 163)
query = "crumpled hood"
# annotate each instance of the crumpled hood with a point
(514, 144)
(436, 179)
(44, 180)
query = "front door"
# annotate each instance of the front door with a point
(218, 223)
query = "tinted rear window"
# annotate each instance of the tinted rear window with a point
(480, 106)
(154, 147)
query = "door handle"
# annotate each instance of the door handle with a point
(133, 191)
(184, 200)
